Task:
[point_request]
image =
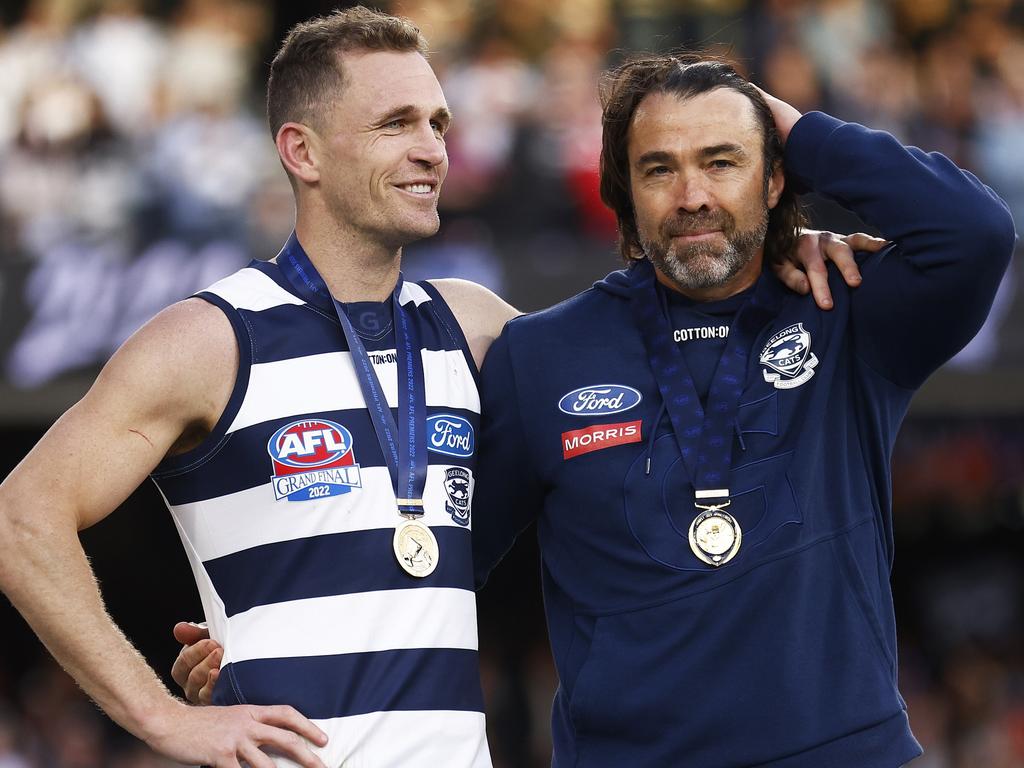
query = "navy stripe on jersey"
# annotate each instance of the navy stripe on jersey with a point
(322, 333)
(232, 468)
(332, 564)
(323, 687)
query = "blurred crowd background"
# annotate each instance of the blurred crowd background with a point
(136, 168)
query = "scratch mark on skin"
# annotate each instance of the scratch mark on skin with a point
(136, 432)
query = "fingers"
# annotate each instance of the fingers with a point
(199, 677)
(791, 276)
(289, 745)
(189, 657)
(206, 692)
(859, 241)
(284, 716)
(189, 633)
(254, 757)
(810, 257)
(839, 252)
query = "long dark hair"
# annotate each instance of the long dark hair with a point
(684, 75)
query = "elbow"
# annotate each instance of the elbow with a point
(984, 236)
(991, 232)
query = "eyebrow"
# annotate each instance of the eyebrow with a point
(661, 156)
(654, 156)
(443, 115)
(723, 149)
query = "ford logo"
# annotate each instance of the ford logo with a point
(450, 434)
(599, 400)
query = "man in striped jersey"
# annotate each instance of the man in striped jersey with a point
(247, 407)
(258, 410)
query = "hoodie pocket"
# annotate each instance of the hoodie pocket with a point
(767, 665)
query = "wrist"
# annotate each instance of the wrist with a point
(153, 720)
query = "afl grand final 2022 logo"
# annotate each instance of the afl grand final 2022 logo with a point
(788, 359)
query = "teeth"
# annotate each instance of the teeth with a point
(419, 189)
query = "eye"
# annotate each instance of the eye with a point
(439, 128)
(394, 125)
(657, 170)
(722, 164)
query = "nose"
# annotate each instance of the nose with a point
(693, 194)
(428, 149)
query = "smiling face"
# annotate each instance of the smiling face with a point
(383, 157)
(698, 190)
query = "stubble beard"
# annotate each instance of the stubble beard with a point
(703, 265)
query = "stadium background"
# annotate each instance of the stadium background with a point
(135, 168)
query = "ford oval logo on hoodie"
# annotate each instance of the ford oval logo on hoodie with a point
(599, 400)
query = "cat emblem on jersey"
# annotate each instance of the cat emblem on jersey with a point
(788, 359)
(458, 487)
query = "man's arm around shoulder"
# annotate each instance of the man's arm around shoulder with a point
(159, 394)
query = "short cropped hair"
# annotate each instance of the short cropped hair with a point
(684, 75)
(306, 74)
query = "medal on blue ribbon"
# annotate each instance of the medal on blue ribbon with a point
(403, 441)
(703, 435)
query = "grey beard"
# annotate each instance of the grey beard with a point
(701, 265)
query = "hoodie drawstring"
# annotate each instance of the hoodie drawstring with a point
(650, 438)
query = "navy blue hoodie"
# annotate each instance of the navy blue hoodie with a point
(785, 656)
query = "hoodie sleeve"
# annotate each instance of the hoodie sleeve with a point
(926, 296)
(508, 494)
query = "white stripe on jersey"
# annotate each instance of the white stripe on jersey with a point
(238, 521)
(251, 289)
(329, 383)
(364, 622)
(381, 740)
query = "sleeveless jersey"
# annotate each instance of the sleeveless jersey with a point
(287, 513)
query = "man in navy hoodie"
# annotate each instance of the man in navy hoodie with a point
(706, 454)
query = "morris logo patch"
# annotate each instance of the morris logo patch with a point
(788, 358)
(599, 400)
(312, 459)
(598, 437)
(458, 485)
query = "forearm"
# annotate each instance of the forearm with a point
(45, 574)
(925, 298)
(939, 214)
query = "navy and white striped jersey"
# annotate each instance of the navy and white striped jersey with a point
(287, 513)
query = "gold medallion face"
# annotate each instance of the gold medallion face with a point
(715, 537)
(416, 548)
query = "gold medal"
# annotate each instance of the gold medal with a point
(715, 536)
(415, 548)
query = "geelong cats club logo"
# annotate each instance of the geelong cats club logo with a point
(312, 459)
(458, 485)
(788, 359)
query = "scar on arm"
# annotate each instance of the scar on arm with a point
(136, 432)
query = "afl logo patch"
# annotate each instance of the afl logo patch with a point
(788, 359)
(312, 459)
(450, 435)
(599, 400)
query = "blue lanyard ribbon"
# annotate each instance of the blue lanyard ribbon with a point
(403, 443)
(703, 435)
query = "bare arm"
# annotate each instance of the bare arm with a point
(481, 313)
(169, 381)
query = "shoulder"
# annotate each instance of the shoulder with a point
(184, 359)
(480, 312)
(591, 309)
